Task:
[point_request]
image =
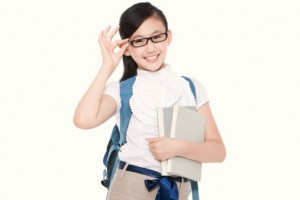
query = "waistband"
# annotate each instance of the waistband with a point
(148, 172)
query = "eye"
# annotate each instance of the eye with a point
(138, 41)
(157, 37)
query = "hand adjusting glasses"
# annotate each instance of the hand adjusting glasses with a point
(144, 41)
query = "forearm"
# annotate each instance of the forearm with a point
(208, 151)
(87, 110)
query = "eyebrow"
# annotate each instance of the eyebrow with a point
(141, 36)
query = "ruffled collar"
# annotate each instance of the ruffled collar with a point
(163, 88)
(164, 69)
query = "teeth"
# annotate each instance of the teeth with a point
(151, 58)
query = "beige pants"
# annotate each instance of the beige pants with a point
(128, 185)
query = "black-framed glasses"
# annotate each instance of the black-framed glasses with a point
(144, 41)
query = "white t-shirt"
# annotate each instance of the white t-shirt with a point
(151, 90)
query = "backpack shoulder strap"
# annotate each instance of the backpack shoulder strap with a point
(194, 184)
(195, 190)
(125, 111)
(191, 85)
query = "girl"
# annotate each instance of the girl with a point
(144, 42)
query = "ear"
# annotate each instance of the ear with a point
(169, 37)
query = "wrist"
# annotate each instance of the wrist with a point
(181, 147)
(106, 70)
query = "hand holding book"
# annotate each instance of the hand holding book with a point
(163, 148)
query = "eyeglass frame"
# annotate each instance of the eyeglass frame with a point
(147, 40)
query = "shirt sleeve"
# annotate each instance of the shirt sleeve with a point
(113, 90)
(201, 95)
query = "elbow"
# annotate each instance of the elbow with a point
(81, 122)
(218, 153)
(222, 154)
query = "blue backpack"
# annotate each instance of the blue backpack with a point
(118, 136)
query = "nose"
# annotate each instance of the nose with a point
(150, 47)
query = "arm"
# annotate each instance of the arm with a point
(95, 108)
(211, 150)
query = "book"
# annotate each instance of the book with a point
(164, 116)
(187, 124)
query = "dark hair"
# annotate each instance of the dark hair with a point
(130, 21)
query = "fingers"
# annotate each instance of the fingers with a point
(112, 51)
(123, 46)
(113, 33)
(107, 35)
(151, 140)
(103, 35)
(119, 43)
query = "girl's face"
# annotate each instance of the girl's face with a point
(150, 57)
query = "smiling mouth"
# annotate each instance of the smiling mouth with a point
(151, 58)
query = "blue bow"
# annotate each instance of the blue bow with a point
(167, 188)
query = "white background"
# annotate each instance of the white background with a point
(245, 53)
